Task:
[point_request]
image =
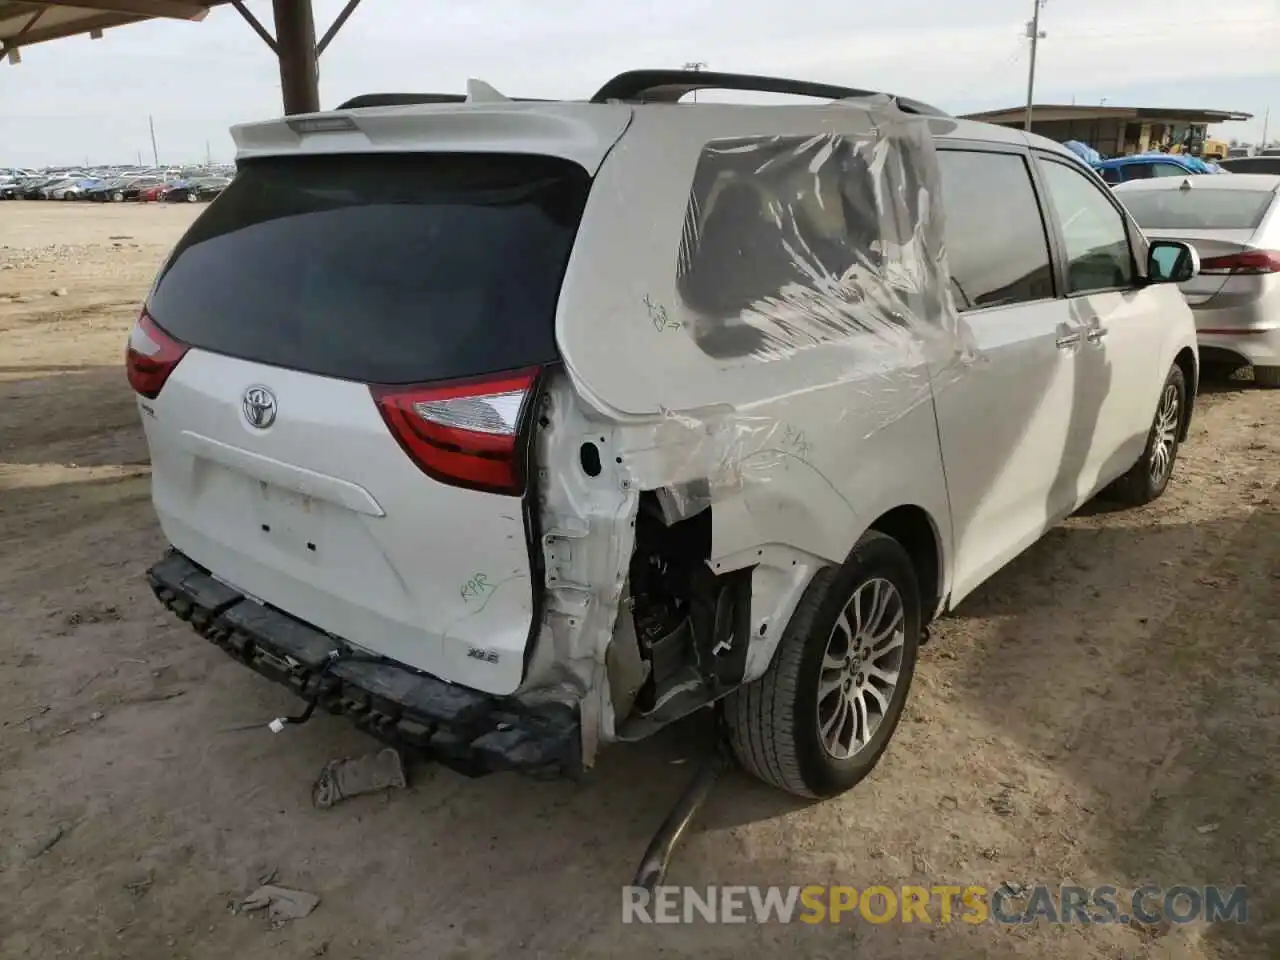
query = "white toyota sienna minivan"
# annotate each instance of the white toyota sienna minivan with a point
(512, 429)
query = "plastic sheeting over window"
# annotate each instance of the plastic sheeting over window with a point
(805, 320)
(792, 242)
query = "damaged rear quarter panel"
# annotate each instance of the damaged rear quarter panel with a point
(799, 412)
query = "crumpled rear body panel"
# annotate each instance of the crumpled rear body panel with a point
(755, 325)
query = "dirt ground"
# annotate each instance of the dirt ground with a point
(1105, 710)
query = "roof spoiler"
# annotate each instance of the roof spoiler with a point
(652, 86)
(669, 86)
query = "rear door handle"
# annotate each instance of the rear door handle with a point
(1096, 334)
(1068, 341)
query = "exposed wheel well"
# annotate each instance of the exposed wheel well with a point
(912, 527)
(1186, 361)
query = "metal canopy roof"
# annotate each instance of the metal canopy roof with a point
(25, 22)
(1045, 112)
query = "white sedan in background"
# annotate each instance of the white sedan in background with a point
(1234, 224)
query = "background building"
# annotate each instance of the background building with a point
(1120, 131)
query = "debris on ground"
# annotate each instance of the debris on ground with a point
(84, 686)
(157, 697)
(47, 842)
(350, 777)
(1208, 828)
(39, 713)
(281, 903)
(140, 883)
(1151, 931)
(1003, 803)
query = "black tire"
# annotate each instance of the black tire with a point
(1141, 485)
(1268, 377)
(773, 721)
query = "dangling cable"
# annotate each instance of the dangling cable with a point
(335, 657)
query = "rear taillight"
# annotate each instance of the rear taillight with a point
(1248, 262)
(151, 356)
(465, 433)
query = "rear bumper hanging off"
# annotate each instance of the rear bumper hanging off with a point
(470, 731)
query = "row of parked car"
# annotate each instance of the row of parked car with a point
(1149, 165)
(114, 186)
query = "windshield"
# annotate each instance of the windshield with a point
(1200, 208)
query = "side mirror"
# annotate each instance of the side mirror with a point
(1171, 261)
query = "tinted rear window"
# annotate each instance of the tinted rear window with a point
(382, 269)
(1200, 208)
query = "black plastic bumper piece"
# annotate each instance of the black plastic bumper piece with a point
(472, 732)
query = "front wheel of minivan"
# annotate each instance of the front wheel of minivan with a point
(820, 717)
(1149, 477)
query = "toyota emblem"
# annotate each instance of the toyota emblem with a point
(259, 405)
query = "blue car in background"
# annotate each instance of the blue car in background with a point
(1144, 166)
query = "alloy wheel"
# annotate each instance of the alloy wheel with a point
(861, 667)
(1166, 434)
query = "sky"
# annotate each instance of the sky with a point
(81, 100)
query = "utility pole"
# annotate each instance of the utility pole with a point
(1266, 124)
(696, 66)
(155, 153)
(1035, 35)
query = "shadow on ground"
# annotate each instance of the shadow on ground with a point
(1169, 713)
